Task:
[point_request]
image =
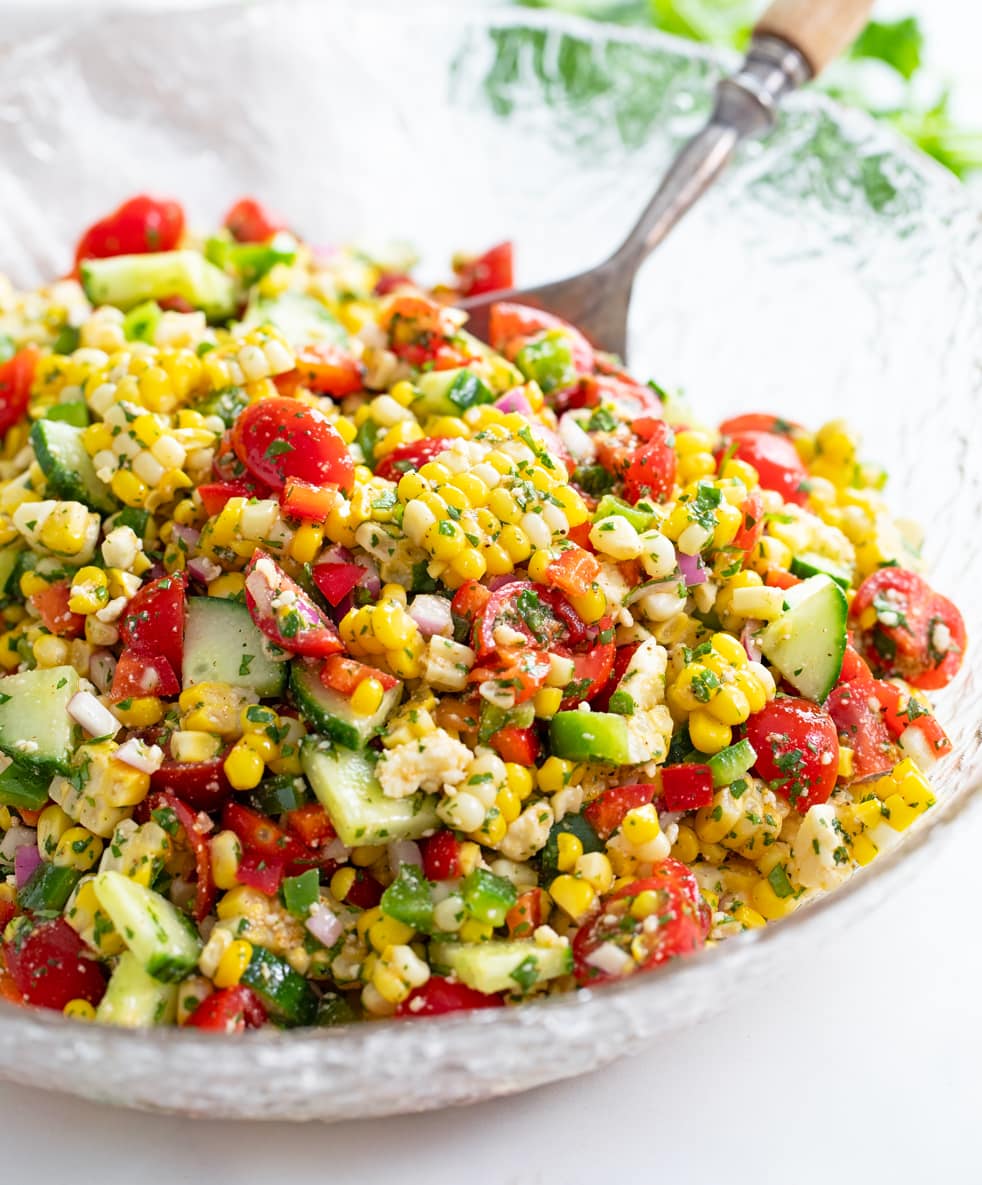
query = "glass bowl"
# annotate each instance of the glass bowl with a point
(833, 272)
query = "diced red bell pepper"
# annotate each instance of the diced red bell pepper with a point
(311, 825)
(141, 225)
(438, 996)
(260, 835)
(606, 813)
(189, 822)
(365, 891)
(517, 745)
(335, 581)
(202, 784)
(441, 856)
(526, 915)
(491, 272)
(229, 1010)
(214, 494)
(153, 622)
(573, 572)
(300, 499)
(411, 456)
(343, 675)
(329, 370)
(51, 604)
(260, 872)
(778, 578)
(686, 787)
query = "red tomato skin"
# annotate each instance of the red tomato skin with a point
(16, 377)
(911, 640)
(316, 636)
(651, 474)
(278, 438)
(7, 911)
(50, 966)
(797, 749)
(201, 784)
(215, 494)
(52, 606)
(517, 745)
(197, 841)
(251, 222)
(439, 996)
(329, 370)
(141, 225)
(336, 581)
(753, 522)
(228, 1010)
(153, 622)
(854, 666)
(606, 813)
(854, 707)
(778, 578)
(622, 660)
(343, 675)
(441, 856)
(491, 272)
(299, 499)
(511, 325)
(260, 835)
(311, 825)
(777, 463)
(760, 422)
(686, 787)
(260, 872)
(411, 456)
(137, 675)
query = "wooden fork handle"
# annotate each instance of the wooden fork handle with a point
(819, 29)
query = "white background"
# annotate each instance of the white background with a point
(863, 1065)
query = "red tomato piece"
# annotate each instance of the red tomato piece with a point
(365, 891)
(651, 472)
(686, 787)
(7, 911)
(202, 784)
(284, 612)
(311, 825)
(916, 632)
(8, 989)
(260, 836)
(229, 470)
(438, 996)
(50, 965)
(408, 457)
(16, 377)
(278, 438)
(299, 499)
(753, 522)
(329, 370)
(778, 578)
(622, 660)
(606, 813)
(153, 622)
(683, 923)
(52, 606)
(854, 666)
(228, 1010)
(260, 872)
(169, 812)
(574, 572)
(343, 674)
(141, 225)
(517, 745)
(855, 709)
(523, 608)
(470, 601)
(797, 750)
(511, 325)
(760, 422)
(591, 670)
(526, 915)
(336, 581)
(491, 272)
(389, 282)
(776, 460)
(523, 672)
(138, 675)
(441, 856)
(251, 222)
(215, 494)
(638, 405)
(901, 711)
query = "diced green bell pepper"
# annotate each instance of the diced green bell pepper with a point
(549, 361)
(409, 899)
(639, 518)
(590, 736)
(729, 764)
(48, 888)
(487, 897)
(301, 893)
(23, 786)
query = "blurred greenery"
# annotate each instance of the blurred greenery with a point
(884, 73)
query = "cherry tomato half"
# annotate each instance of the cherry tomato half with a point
(229, 1010)
(776, 460)
(438, 996)
(855, 709)
(153, 622)
(682, 918)
(52, 606)
(50, 965)
(491, 272)
(511, 325)
(278, 438)
(251, 222)
(758, 421)
(408, 457)
(16, 377)
(284, 612)
(139, 675)
(651, 473)
(916, 632)
(140, 225)
(797, 750)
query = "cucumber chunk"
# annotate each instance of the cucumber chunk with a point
(590, 736)
(346, 787)
(504, 966)
(287, 996)
(223, 644)
(300, 318)
(810, 564)
(9, 563)
(808, 641)
(128, 280)
(35, 728)
(331, 714)
(22, 786)
(68, 467)
(153, 929)
(134, 999)
(450, 392)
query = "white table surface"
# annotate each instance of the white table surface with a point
(865, 1065)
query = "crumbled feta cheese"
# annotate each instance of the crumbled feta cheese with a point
(434, 763)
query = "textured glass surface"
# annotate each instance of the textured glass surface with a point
(832, 272)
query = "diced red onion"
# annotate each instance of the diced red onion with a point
(692, 569)
(146, 758)
(579, 443)
(335, 851)
(154, 572)
(748, 636)
(496, 582)
(102, 667)
(187, 535)
(26, 859)
(324, 926)
(204, 569)
(335, 554)
(432, 614)
(515, 400)
(404, 851)
(15, 839)
(371, 582)
(94, 717)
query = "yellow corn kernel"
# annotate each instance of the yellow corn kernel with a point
(740, 471)
(768, 904)
(9, 657)
(405, 432)
(31, 583)
(468, 857)
(469, 564)
(474, 931)
(686, 846)
(367, 697)
(493, 830)
(341, 882)
(391, 625)
(50, 651)
(729, 705)
(412, 485)
(388, 931)
(497, 561)
(306, 543)
(366, 855)
(554, 774)
(749, 918)
(730, 648)
(574, 506)
(79, 1010)
(346, 429)
(595, 868)
(547, 702)
(538, 564)
(753, 690)
(520, 779)
(913, 786)
(845, 770)
(97, 438)
(508, 803)
(233, 963)
(78, 849)
(591, 605)
(128, 488)
(140, 712)
(569, 850)
(262, 745)
(403, 393)
(407, 662)
(52, 824)
(243, 767)
(901, 815)
(226, 855)
(515, 542)
(640, 825)
(573, 895)
(210, 707)
(708, 734)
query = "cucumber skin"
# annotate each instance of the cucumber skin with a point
(122, 898)
(465, 960)
(774, 644)
(81, 486)
(134, 1000)
(341, 732)
(285, 993)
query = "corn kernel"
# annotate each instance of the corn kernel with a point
(341, 882)
(554, 774)
(547, 702)
(768, 904)
(569, 850)
(596, 869)
(574, 896)
(226, 855)
(78, 849)
(749, 918)
(388, 931)
(233, 963)
(79, 1010)
(686, 846)
(708, 734)
(52, 824)
(520, 779)
(140, 712)
(640, 825)
(474, 931)
(244, 767)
